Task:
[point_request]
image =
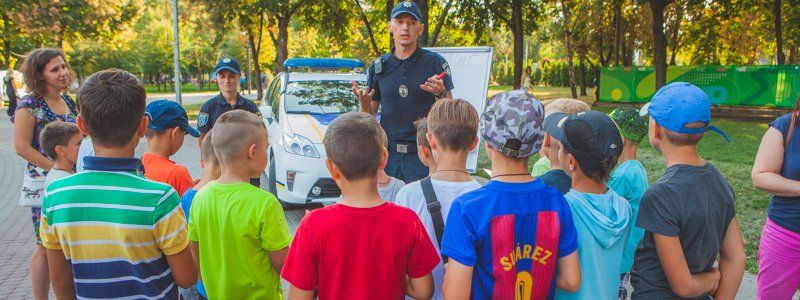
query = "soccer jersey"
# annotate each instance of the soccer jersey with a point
(115, 228)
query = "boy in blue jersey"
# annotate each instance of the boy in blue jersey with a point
(629, 181)
(513, 237)
(591, 145)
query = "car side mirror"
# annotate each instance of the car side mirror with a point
(266, 113)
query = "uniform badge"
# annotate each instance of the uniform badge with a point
(377, 66)
(403, 91)
(407, 4)
(202, 119)
(227, 60)
(446, 68)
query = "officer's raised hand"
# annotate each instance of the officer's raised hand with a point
(364, 97)
(435, 86)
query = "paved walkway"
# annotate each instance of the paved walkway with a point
(16, 232)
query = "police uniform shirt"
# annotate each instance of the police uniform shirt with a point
(386, 76)
(217, 106)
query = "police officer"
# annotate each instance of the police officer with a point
(405, 82)
(228, 74)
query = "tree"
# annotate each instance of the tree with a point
(776, 14)
(61, 20)
(659, 41)
(569, 27)
(518, 16)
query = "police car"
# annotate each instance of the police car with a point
(297, 108)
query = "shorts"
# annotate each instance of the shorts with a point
(36, 217)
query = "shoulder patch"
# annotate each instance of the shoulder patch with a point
(202, 119)
(377, 65)
(446, 67)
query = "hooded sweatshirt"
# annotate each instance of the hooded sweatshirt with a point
(603, 222)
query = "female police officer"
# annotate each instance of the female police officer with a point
(406, 83)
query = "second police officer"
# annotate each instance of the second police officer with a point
(405, 83)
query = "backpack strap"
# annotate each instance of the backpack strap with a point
(791, 129)
(435, 209)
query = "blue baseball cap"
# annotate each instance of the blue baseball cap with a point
(165, 114)
(680, 103)
(406, 7)
(229, 64)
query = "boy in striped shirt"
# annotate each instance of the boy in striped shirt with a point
(109, 232)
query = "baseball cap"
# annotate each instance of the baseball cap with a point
(590, 136)
(512, 124)
(165, 114)
(229, 64)
(630, 124)
(680, 103)
(551, 124)
(406, 7)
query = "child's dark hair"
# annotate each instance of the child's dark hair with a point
(685, 139)
(57, 133)
(112, 104)
(353, 144)
(421, 125)
(580, 137)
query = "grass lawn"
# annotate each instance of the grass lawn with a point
(186, 88)
(734, 160)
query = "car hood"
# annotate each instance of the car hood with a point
(310, 126)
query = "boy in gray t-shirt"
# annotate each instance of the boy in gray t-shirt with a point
(688, 214)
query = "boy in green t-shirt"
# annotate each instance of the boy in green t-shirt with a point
(238, 232)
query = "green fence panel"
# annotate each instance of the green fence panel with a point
(768, 86)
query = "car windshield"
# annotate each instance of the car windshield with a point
(320, 97)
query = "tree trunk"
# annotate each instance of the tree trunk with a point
(282, 44)
(370, 33)
(659, 41)
(776, 13)
(6, 42)
(424, 10)
(257, 69)
(617, 31)
(518, 33)
(793, 55)
(676, 37)
(568, 44)
(582, 73)
(389, 7)
(440, 22)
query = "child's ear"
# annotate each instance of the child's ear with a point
(431, 140)
(384, 159)
(143, 126)
(81, 125)
(175, 132)
(251, 151)
(573, 163)
(59, 150)
(335, 175)
(546, 142)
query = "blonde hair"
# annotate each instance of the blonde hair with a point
(234, 132)
(454, 123)
(207, 150)
(565, 105)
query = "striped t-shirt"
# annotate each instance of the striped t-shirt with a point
(115, 228)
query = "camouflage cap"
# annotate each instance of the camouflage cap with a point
(631, 125)
(513, 124)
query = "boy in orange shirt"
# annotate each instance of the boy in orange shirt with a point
(165, 134)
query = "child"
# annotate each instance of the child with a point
(239, 231)
(564, 105)
(423, 147)
(388, 186)
(211, 171)
(60, 142)
(110, 232)
(556, 176)
(629, 181)
(688, 214)
(168, 126)
(590, 147)
(453, 130)
(514, 236)
(362, 247)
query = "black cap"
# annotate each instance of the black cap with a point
(406, 7)
(551, 124)
(229, 64)
(590, 136)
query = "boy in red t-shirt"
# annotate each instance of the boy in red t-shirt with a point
(363, 247)
(165, 132)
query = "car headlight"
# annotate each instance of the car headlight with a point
(299, 145)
